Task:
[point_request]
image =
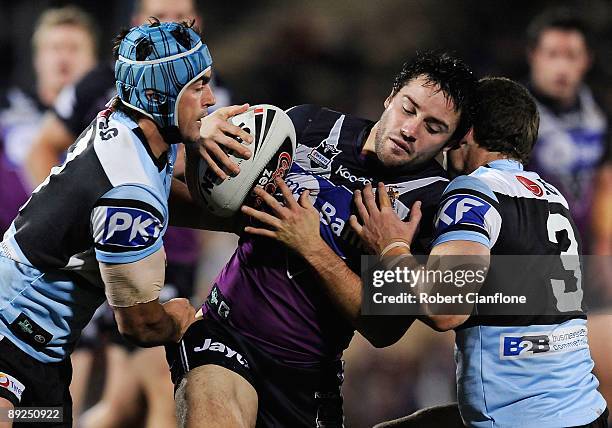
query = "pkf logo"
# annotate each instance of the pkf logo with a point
(462, 209)
(514, 346)
(130, 227)
(530, 185)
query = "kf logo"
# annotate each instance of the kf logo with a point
(455, 208)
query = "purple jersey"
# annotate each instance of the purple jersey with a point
(270, 295)
(20, 118)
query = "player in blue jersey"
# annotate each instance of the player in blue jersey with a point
(268, 350)
(515, 370)
(95, 226)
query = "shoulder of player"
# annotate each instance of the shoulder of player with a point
(305, 115)
(473, 185)
(122, 152)
(135, 196)
(128, 223)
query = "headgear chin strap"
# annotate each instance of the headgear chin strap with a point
(156, 63)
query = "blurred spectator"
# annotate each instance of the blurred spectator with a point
(573, 143)
(79, 103)
(64, 49)
(574, 153)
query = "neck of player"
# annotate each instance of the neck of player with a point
(480, 157)
(156, 142)
(369, 147)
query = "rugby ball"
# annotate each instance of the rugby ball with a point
(272, 152)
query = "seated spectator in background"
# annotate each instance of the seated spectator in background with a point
(64, 49)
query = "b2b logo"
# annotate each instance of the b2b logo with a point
(130, 227)
(513, 346)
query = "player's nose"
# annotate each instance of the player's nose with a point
(208, 97)
(409, 129)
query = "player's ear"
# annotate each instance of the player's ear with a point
(456, 144)
(389, 99)
(469, 137)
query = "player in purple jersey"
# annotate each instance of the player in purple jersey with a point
(267, 352)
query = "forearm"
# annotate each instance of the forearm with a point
(341, 284)
(344, 288)
(147, 325)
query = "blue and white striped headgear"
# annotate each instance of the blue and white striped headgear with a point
(156, 62)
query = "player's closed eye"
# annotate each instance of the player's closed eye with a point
(433, 130)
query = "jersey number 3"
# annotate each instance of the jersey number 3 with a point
(561, 234)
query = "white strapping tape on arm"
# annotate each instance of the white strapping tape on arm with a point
(129, 284)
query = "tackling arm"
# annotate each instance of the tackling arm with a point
(132, 290)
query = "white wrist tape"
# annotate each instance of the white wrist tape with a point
(394, 244)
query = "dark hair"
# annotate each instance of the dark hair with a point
(559, 19)
(454, 78)
(506, 118)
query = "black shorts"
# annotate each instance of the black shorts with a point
(288, 396)
(39, 384)
(600, 422)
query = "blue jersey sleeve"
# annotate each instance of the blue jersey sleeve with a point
(128, 224)
(468, 211)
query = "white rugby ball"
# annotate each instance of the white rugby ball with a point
(272, 152)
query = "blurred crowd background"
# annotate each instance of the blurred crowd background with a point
(341, 54)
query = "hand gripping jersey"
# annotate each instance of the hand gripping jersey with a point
(527, 371)
(108, 203)
(268, 294)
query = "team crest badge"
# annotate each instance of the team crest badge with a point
(393, 195)
(323, 154)
(400, 209)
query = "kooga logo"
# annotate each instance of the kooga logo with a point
(209, 345)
